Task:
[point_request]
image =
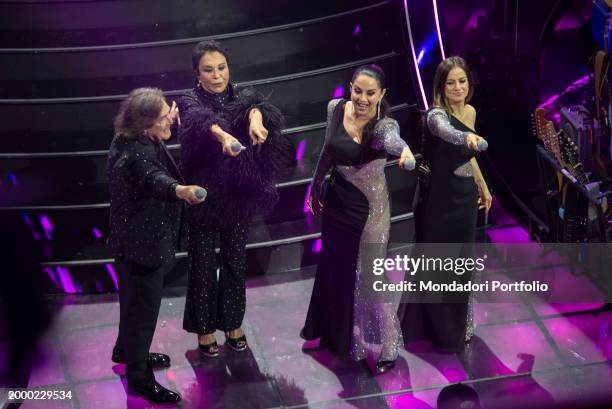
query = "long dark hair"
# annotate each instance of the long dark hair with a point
(440, 81)
(139, 111)
(372, 71)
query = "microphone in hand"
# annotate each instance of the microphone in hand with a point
(236, 147)
(409, 164)
(201, 193)
(482, 145)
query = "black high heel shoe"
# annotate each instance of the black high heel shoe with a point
(210, 350)
(384, 366)
(237, 344)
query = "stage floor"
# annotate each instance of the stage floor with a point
(522, 355)
(525, 354)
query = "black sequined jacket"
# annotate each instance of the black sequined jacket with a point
(238, 187)
(144, 210)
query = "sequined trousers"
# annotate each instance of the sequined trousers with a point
(216, 302)
(375, 323)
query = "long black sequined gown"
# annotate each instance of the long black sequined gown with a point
(445, 212)
(343, 310)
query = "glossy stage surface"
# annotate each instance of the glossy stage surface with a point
(525, 354)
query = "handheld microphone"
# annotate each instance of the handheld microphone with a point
(236, 147)
(201, 193)
(482, 145)
(410, 164)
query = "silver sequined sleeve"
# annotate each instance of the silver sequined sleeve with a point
(325, 162)
(439, 124)
(387, 137)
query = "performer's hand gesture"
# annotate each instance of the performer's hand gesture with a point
(231, 146)
(174, 114)
(406, 160)
(257, 131)
(314, 204)
(472, 141)
(192, 194)
(485, 200)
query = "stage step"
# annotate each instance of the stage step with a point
(97, 71)
(86, 123)
(101, 23)
(272, 256)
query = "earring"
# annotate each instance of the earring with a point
(378, 111)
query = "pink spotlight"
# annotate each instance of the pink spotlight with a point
(51, 275)
(316, 246)
(96, 232)
(339, 91)
(113, 275)
(47, 226)
(300, 150)
(578, 82)
(66, 280)
(306, 209)
(357, 30)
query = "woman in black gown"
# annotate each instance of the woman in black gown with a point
(343, 310)
(447, 201)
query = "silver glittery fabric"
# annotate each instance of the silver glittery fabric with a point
(375, 320)
(439, 124)
(387, 137)
(470, 325)
(469, 331)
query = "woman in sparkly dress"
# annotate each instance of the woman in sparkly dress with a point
(231, 142)
(447, 202)
(344, 312)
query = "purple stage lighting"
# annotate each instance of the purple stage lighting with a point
(66, 280)
(12, 178)
(339, 91)
(316, 246)
(300, 150)
(113, 275)
(51, 274)
(305, 208)
(357, 30)
(28, 222)
(47, 226)
(579, 82)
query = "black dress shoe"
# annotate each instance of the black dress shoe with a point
(156, 359)
(384, 366)
(155, 393)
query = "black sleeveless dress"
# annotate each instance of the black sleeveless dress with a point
(445, 211)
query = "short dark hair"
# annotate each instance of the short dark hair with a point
(203, 47)
(440, 80)
(139, 111)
